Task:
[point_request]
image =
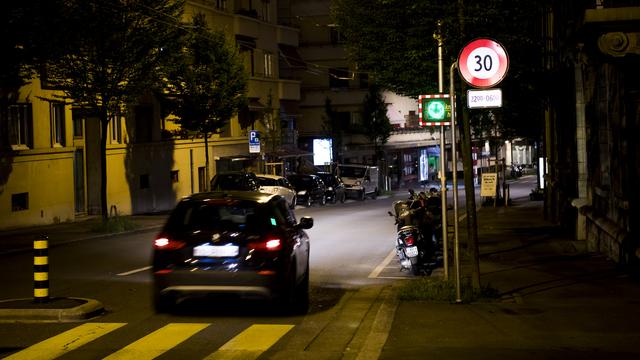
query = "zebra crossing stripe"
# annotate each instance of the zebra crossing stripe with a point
(251, 343)
(67, 341)
(158, 342)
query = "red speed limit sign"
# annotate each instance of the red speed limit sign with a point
(483, 63)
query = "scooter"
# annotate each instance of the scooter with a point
(415, 243)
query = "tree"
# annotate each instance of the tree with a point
(113, 55)
(375, 122)
(207, 84)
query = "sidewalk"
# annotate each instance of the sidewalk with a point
(558, 302)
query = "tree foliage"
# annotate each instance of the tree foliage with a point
(393, 39)
(112, 55)
(208, 84)
(375, 122)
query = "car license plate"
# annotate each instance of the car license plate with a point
(215, 250)
(411, 251)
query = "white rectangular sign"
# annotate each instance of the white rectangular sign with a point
(491, 98)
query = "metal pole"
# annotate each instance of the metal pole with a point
(454, 160)
(443, 163)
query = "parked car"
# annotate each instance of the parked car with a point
(235, 180)
(335, 187)
(309, 189)
(275, 184)
(238, 243)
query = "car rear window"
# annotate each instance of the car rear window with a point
(218, 216)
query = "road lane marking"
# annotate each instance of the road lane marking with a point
(135, 271)
(383, 264)
(251, 343)
(67, 341)
(158, 342)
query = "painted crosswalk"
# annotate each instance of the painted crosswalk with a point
(248, 344)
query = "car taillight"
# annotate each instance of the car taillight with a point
(268, 244)
(409, 240)
(163, 243)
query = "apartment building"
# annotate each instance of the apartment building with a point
(49, 152)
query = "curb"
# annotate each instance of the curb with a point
(87, 309)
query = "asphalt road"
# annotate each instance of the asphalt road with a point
(349, 243)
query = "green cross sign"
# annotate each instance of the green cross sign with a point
(436, 109)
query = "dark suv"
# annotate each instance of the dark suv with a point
(335, 187)
(309, 189)
(232, 243)
(235, 180)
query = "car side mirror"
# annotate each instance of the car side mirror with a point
(306, 222)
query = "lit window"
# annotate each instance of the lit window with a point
(268, 60)
(57, 124)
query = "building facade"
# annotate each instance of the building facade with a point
(49, 152)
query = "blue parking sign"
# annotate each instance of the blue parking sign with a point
(254, 141)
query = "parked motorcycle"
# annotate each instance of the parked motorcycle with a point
(415, 243)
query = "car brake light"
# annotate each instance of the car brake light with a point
(269, 244)
(409, 240)
(164, 243)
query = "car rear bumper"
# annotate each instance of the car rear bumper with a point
(244, 284)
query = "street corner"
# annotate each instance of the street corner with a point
(67, 309)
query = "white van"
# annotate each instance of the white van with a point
(360, 181)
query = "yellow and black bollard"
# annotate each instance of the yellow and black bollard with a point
(41, 269)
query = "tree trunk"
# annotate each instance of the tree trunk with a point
(206, 159)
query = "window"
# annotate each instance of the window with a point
(19, 202)
(174, 176)
(57, 124)
(268, 60)
(221, 4)
(266, 14)
(19, 126)
(78, 123)
(339, 78)
(116, 129)
(246, 47)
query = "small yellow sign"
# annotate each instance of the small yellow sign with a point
(488, 186)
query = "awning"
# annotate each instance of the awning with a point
(288, 151)
(291, 56)
(256, 105)
(246, 41)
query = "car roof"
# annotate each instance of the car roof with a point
(232, 194)
(303, 175)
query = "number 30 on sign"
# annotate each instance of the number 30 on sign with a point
(483, 63)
